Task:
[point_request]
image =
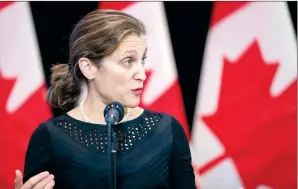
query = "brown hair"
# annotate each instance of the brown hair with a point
(98, 34)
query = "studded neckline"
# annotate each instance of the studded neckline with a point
(94, 136)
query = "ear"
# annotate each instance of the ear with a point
(87, 68)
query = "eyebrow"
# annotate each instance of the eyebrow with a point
(134, 51)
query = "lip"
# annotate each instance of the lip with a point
(137, 91)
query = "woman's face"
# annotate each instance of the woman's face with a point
(121, 76)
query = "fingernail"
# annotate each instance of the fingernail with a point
(46, 173)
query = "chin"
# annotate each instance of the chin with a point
(132, 103)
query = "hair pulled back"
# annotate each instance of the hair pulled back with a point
(97, 35)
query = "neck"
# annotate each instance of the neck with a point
(93, 108)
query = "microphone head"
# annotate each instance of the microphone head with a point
(116, 110)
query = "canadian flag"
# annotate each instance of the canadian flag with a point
(161, 89)
(244, 131)
(22, 96)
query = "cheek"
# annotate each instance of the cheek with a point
(115, 79)
(122, 82)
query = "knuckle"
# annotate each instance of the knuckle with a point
(32, 182)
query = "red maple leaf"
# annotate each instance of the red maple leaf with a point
(16, 129)
(257, 130)
(170, 102)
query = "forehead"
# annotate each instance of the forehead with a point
(132, 43)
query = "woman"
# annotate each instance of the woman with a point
(107, 56)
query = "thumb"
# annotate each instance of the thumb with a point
(19, 180)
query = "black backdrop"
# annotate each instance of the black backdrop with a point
(188, 24)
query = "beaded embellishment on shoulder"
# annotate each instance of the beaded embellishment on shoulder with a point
(90, 137)
(128, 133)
(136, 131)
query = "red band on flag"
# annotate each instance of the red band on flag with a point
(115, 5)
(224, 9)
(5, 4)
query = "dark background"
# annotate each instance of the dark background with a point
(188, 24)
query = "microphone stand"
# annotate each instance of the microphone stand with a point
(113, 113)
(112, 149)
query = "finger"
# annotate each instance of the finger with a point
(44, 182)
(50, 185)
(18, 183)
(35, 179)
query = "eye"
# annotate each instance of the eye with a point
(128, 60)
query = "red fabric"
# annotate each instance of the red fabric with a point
(254, 127)
(16, 129)
(222, 10)
(257, 130)
(115, 5)
(5, 4)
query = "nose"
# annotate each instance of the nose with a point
(140, 75)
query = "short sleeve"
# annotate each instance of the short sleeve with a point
(38, 154)
(182, 174)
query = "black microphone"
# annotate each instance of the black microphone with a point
(113, 113)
